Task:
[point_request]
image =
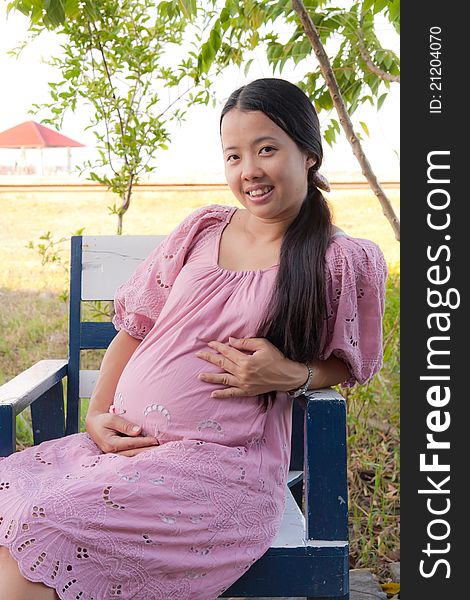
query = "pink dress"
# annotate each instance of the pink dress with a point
(185, 519)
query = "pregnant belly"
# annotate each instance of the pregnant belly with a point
(168, 400)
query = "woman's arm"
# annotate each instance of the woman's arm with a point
(115, 359)
(111, 432)
(331, 371)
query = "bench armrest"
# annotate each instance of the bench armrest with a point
(325, 456)
(41, 387)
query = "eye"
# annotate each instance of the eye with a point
(267, 148)
(232, 156)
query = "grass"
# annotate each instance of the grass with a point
(26, 217)
(33, 321)
(373, 447)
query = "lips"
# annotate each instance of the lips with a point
(259, 191)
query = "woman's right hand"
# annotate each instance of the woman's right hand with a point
(112, 433)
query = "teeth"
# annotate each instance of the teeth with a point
(260, 192)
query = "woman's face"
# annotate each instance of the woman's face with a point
(264, 167)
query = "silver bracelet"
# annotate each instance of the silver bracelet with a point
(301, 390)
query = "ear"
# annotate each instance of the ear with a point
(311, 160)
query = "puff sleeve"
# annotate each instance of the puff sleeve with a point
(356, 272)
(139, 301)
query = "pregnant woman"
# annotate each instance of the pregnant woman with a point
(178, 485)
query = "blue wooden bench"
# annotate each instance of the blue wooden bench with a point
(309, 557)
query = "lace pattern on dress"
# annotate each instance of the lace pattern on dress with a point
(64, 538)
(355, 283)
(139, 301)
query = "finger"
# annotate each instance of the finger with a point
(251, 344)
(232, 392)
(131, 443)
(123, 426)
(226, 358)
(226, 350)
(221, 378)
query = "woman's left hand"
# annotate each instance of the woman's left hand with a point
(246, 374)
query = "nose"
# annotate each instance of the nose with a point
(251, 169)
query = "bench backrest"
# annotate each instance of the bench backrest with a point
(99, 264)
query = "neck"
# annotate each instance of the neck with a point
(266, 231)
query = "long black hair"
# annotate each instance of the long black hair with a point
(295, 316)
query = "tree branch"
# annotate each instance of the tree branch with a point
(343, 115)
(108, 75)
(108, 143)
(373, 68)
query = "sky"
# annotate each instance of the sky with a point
(194, 153)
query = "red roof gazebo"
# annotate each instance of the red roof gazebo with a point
(34, 135)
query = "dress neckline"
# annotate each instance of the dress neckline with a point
(217, 250)
(234, 209)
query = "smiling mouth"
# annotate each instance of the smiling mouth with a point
(259, 193)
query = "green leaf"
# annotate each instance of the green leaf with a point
(282, 63)
(275, 51)
(247, 67)
(381, 100)
(188, 7)
(367, 99)
(55, 14)
(72, 8)
(330, 135)
(215, 39)
(325, 100)
(348, 74)
(394, 10)
(327, 137)
(388, 60)
(365, 128)
(207, 55)
(379, 5)
(305, 47)
(224, 15)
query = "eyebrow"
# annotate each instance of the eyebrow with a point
(255, 142)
